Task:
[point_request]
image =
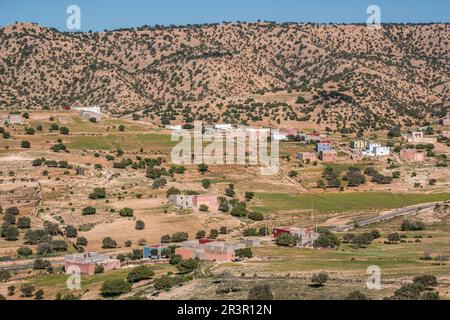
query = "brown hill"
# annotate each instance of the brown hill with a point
(338, 76)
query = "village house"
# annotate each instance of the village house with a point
(446, 134)
(193, 201)
(324, 145)
(90, 112)
(359, 144)
(376, 150)
(328, 156)
(305, 156)
(182, 201)
(412, 155)
(209, 250)
(12, 118)
(173, 127)
(306, 237)
(85, 263)
(419, 137)
(314, 137)
(279, 136)
(223, 126)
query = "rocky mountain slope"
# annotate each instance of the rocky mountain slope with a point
(345, 77)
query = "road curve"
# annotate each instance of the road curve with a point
(388, 215)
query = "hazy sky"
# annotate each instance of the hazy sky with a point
(113, 14)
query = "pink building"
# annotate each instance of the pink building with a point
(412, 155)
(208, 251)
(85, 263)
(446, 134)
(328, 156)
(208, 200)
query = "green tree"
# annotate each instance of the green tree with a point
(25, 144)
(140, 273)
(140, 225)
(206, 183)
(187, 266)
(11, 233)
(256, 216)
(239, 210)
(71, 231)
(286, 240)
(24, 223)
(200, 234)
(88, 211)
(163, 283)
(114, 287)
(109, 243)
(318, 280)
(260, 292)
(24, 251)
(126, 212)
(27, 290)
(327, 240)
(213, 233)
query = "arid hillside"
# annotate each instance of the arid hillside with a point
(345, 77)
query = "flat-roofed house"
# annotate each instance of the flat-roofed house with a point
(324, 146)
(182, 201)
(193, 201)
(305, 156)
(207, 199)
(85, 263)
(90, 112)
(12, 118)
(359, 144)
(208, 251)
(412, 155)
(376, 150)
(446, 134)
(328, 156)
(419, 137)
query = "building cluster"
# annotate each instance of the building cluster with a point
(306, 237)
(85, 263)
(193, 201)
(369, 149)
(12, 118)
(324, 148)
(278, 135)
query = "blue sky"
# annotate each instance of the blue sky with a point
(112, 14)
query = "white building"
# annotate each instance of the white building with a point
(279, 136)
(223, 126)
(376, 150)
(174, 127)
(95, 109)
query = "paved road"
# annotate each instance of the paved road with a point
(388, 215)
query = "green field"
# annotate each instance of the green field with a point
(57, 282)
(122, 141)
(395, 259)
(341, 202)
